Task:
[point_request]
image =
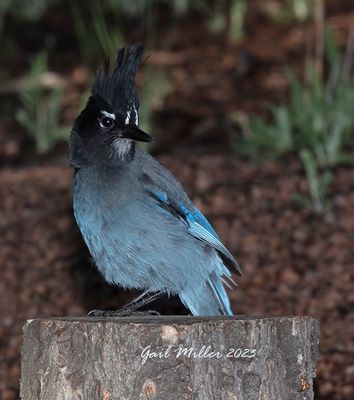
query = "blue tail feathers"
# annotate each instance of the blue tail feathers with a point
(207, 299)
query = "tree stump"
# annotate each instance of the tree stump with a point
(169, 358)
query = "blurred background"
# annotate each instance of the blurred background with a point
(251, 105)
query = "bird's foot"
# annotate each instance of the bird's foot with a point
(122, 312)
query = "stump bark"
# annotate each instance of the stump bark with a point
(169, 358)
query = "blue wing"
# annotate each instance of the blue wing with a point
(198, 226)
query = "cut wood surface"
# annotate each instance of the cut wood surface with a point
(169, 358)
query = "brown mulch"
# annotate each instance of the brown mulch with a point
(293, 261)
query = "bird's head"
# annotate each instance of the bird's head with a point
(105, 131)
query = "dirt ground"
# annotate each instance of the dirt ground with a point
(294, 262)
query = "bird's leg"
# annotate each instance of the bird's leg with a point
(130, 308)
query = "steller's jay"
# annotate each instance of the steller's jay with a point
(140, 227)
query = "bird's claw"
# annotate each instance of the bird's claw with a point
(121, 313)
(108, 313)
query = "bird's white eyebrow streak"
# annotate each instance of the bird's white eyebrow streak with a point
(127, 119)
(107, 114)
(136, 116)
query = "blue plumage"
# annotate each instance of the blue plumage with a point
(141, 228)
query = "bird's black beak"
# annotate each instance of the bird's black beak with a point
(133, 132)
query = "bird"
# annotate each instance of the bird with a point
(141, 228)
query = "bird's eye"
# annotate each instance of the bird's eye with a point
(106, 122)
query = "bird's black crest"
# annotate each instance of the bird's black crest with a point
(117, 85)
